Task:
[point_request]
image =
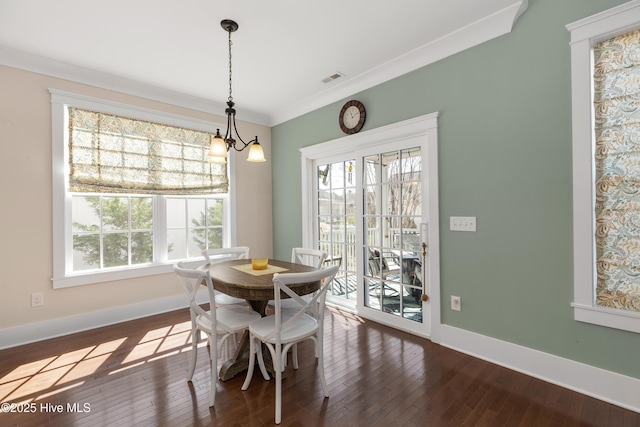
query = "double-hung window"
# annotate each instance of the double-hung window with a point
(133, 191)
(605, 66)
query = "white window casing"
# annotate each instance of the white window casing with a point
(584, 34)
(63, 276)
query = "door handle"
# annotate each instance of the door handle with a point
(425, 297)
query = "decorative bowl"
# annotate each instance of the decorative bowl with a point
(259, 263)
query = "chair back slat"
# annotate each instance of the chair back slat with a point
(191, 281)
(315, 305)
(310, 257)
(225, 254)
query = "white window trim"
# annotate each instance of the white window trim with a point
(62, 277)
(584, 34)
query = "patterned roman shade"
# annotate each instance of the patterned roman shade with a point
(112, 154)
(617, 162)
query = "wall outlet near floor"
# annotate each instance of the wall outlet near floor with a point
(455, 303)
(37, 299)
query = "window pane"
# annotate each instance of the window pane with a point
(197, 242)
(141, 213)
(215, 237)
(176, 213)
(176, 244)
(116, 250)
(141, 247)
(196, 213)
(616, 159)
(215, 212)
(86, 251)
(85, 215)
(115, 213)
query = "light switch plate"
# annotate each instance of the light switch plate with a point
(462, 223)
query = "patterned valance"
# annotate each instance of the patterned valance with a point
(617, 161)
(112, 154)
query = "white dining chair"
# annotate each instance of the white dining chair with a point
(312, 258)
(279, 333)
(223, 322)
(221, 255)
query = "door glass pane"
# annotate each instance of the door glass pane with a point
(372, 233)
(336, 219)
(370, 199)
(371, 169)
(392, 203)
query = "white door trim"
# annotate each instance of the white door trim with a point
(422, 127)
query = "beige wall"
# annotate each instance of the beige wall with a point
(26, 213)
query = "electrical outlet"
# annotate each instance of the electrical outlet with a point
(37, 299)
(455, 303)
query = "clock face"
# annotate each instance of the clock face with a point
(352, 117)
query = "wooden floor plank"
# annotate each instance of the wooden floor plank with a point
(134, 374)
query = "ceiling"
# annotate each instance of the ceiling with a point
(283, 49)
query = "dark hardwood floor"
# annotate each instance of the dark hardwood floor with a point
(133, 374)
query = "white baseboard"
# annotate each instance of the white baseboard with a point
(32, 332)
(611, 387)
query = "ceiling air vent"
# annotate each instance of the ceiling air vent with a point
(333, 77)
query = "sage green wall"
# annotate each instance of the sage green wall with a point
(505, 157)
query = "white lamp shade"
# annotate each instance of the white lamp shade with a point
(216, 159)
(218, 148)
(255, 153)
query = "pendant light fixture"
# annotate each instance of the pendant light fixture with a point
(219, 149)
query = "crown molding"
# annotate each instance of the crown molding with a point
(487, 28)
(478, 32)
(62, 70)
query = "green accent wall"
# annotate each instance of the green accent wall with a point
(505, 157)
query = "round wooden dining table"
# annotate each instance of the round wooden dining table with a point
(237, 279)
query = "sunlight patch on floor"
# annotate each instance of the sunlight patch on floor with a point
(62, 372)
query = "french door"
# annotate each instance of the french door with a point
(371, 210)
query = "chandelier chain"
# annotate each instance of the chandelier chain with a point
(230, 95)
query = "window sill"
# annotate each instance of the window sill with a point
(611, 318)
(93, 277)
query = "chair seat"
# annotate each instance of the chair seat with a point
(230, 318)
(224, 299)
(304, 327)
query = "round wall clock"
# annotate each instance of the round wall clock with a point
(352, 117)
